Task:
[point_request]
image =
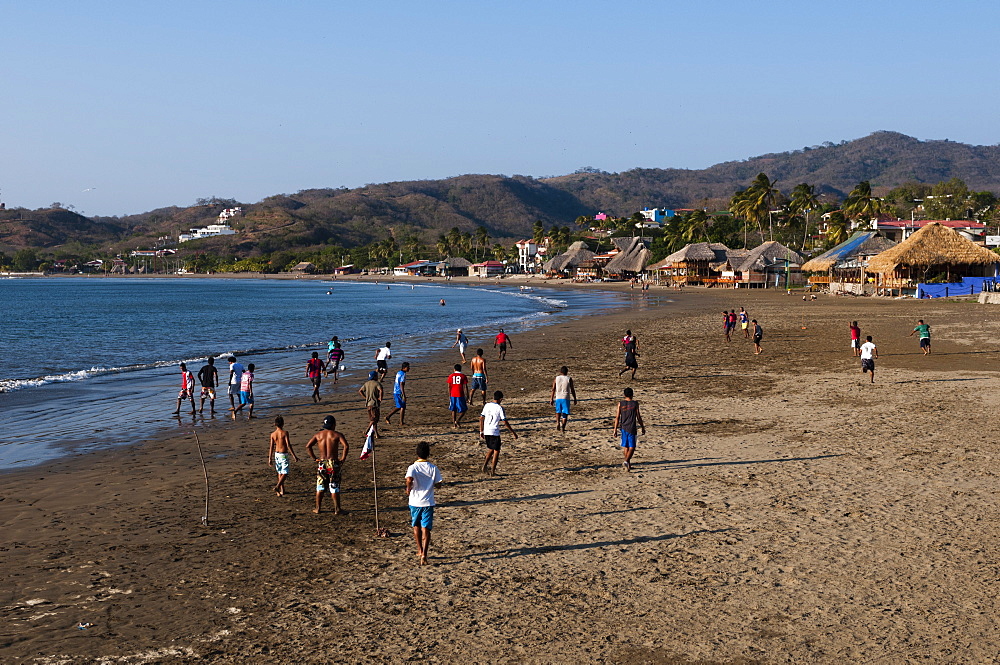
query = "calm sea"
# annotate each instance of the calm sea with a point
(92, 362)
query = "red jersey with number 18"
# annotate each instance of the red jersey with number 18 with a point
(456, 384)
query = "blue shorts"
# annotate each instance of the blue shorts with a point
(925, 342)
(400, 403)
(628, 440)
(246, 397)
(479, 383)
(458, 404)
(562, 407)
(422, 516)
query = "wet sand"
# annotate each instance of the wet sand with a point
(781, 509)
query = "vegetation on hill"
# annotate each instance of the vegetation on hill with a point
(780, 196)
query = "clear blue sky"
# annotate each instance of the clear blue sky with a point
(152, 104)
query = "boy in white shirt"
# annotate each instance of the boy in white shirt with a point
(489, 431)
(422, 478)
(868, 355)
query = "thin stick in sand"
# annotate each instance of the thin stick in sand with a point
(204, 468)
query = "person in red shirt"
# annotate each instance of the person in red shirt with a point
(855, 338)
(502, 341)
(458, 391)
(314, 372)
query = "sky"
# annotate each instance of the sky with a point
(124, 107)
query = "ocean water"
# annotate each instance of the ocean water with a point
(92, 362)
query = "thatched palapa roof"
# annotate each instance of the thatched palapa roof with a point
(933, 245)
(633, 258)
(733, 257)
(695, 252)
(572, 257)
(768, 254)
(852, 252)
(456, 262)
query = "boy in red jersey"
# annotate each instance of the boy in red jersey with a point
(458, 392)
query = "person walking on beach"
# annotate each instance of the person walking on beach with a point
(334, 358)
(278, 452)
(628, 420)
(208, 376)
(502, 341)
(732, 321)
(480, 379)
(187, 389)
(422, 478)
(371, 390)
(725, 325)
(562, 389)
(489, 431)
(246, 392)
(458, 395)
(631, 345)
(382, 357)
(461, 341)
(745, 322)
(925, 336)
(314, 372)
(331, 452)
(758, 334)
(868, 355)
(399, 395)
(236, 370)
(855, 339)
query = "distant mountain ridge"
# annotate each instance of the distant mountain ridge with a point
(508, 206)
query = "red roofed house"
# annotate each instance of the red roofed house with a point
(900, 230)
(487, 269)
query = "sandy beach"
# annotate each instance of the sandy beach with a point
(781, 510)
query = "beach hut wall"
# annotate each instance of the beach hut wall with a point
(932, 245)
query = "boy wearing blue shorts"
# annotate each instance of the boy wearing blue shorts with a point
(422, 478)
(399, 395)
(458, 395)
(562, 390)
(628, 419)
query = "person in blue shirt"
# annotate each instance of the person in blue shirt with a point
(399, 395)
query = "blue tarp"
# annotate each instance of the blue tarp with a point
(846, 248)
(969, 286)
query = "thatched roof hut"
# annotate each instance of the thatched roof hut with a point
(695, 252)
(933, 245)
(852, 253)
(633, 258)
(305, 267)
(456, 266)
(571, 258)
(770, 253)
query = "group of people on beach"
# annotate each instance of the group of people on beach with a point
(868, 352)
(747, 325)
(239, 387)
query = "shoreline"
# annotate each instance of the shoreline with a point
(780, 507)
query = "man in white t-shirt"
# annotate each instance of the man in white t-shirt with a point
(236, 370)
(381, 359)
(422, 478)
(489, 431)
(868, 355)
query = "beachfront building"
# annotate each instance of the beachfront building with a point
(935, 253)
(842, 268)
(454, 266)
(770, 264)
(209, 231)
(304, 268)
(692, 264)
(345, 270)
(527, 251)
(901, 229)
(416, 268)
(487, 269)
(630, 261)
(566, 263)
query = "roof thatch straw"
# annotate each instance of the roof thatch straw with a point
(770, 253)
(933, 245)
(634, 259)
(854, 250)
(574, 256)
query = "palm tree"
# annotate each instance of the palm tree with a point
(537, 231)
(695, 226)
(836, 228)
(755, 202)
(482, 239)
(803, 200)
(442, 246)
(860, 204)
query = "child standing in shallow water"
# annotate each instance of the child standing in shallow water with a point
(246, 392)
(277, 454)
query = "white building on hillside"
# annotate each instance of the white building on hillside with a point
(206, 232)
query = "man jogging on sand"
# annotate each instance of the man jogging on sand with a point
(422, 478)
(501, 342)
(331, 452)
(627, 417)
(562, 389)
(489, 431)
(925, 336)
(868, 355)
(399, 395)
(314, 372)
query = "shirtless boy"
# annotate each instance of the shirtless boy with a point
(328, 442)
(278, 452)
(480, 379)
